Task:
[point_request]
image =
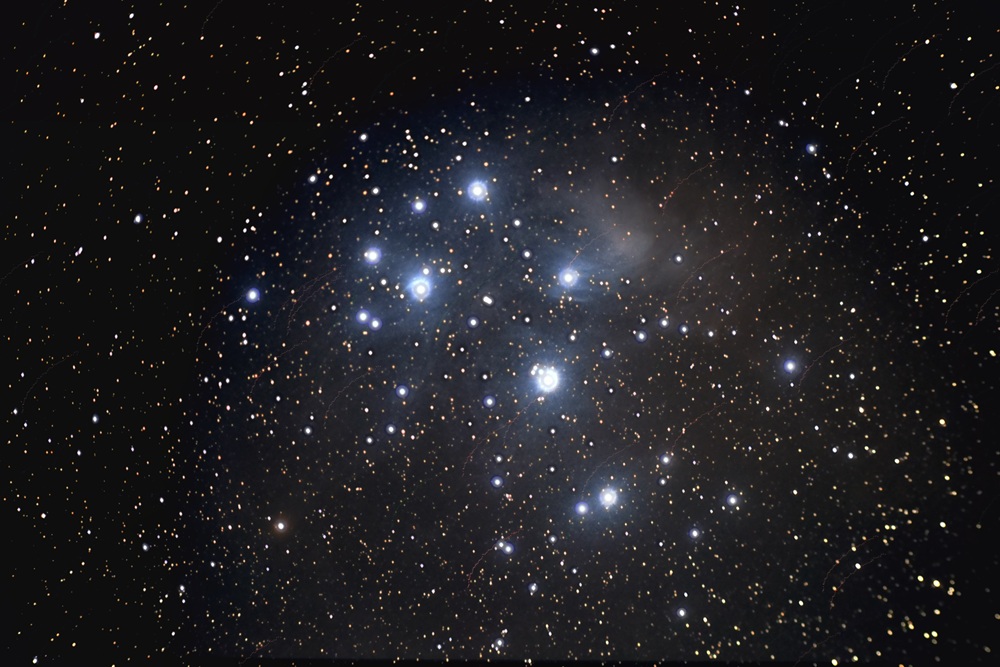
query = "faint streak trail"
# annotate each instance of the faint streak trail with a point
(677, 297)
(309, 289)
(979, 521)
(830, 349)
(903, 57)
(482, 556)
(331, 57)
(866, 63)
(629, 446)
(816, 646)
(868, 138)
(624, 98)
(839, 587)
(979, 315)
(17, 266)
(965, 291)
(260, 647)
(685, 180)
(590, 243)
(277, 357)
(699, 418)
(38, 379)
(207, 18)
(341, 392)
(505, 428)
(966, 85)
(212, 319)
(836, 563)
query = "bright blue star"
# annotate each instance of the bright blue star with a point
(253, 295)
(548, 378)
(420, 288)
(568, 277)
(478, 191)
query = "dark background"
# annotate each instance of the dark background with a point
(157, 165)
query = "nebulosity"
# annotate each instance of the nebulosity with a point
(513, 364)
(488, 330)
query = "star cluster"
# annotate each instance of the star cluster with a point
(561, 333)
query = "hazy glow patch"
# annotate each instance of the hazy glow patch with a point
(548, 378)
(478, 191)
(568, 277)
(420, 288)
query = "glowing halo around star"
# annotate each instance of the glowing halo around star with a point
(478, 190)
(568, 277)
(547, 377)
(420, 288)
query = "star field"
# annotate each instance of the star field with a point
(502, 332)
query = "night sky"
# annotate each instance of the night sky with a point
(501, 331)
